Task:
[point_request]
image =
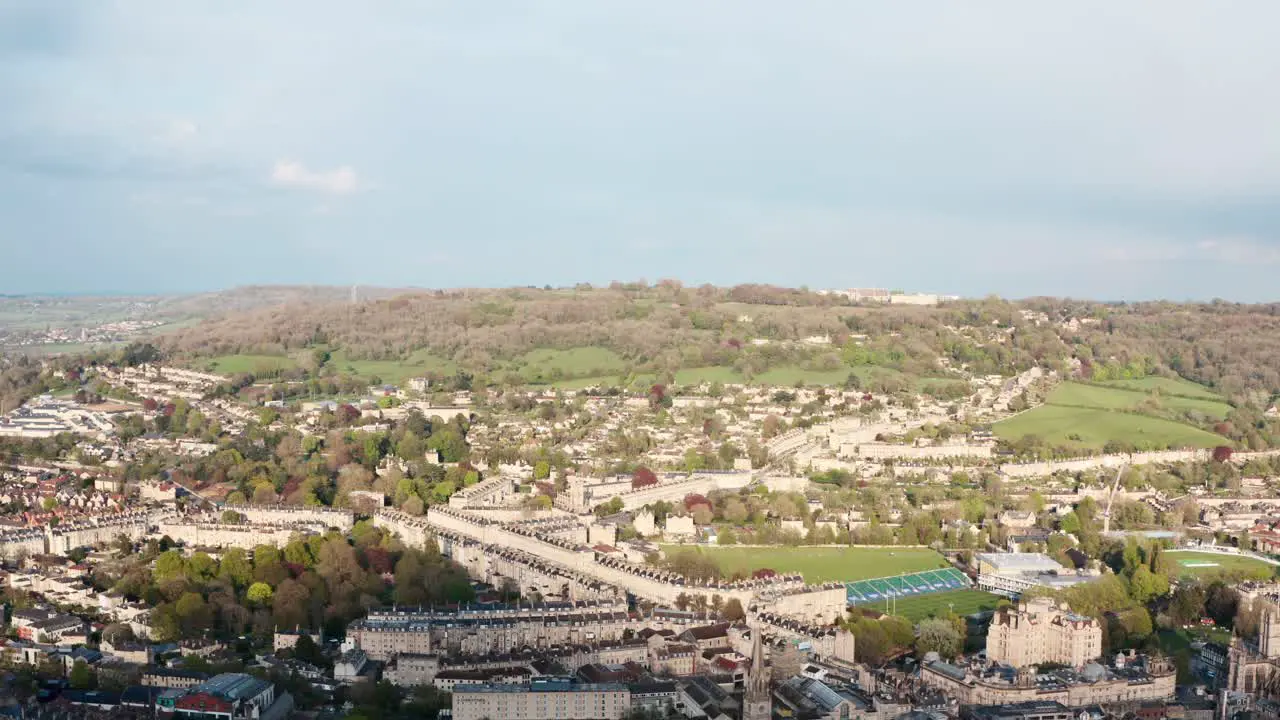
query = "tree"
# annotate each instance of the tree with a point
(414, 506)
(81, 676)
(1146, 586)
(643, 477)
(938, 635)
(194, 615)
(259, 593)
(733, 611)
(170, 565)
(347, 414)
(1222, 453)
(541, 470)
(235, 567)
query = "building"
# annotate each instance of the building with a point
(351, 666)
(1030, 710)
(552, 698)
(1133, 679)
(1038, 631)
(1255, 668)
(757, 703)
(229, 696)
(490, 628)
(1009, 574)
(173, 678)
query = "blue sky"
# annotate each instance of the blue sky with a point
(1100, 149)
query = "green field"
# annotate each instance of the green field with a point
(1119, 398)
(697, 376)
(1056, 423)
(1167, 386)
(547, 365)
(919, 607)
(395, 372)
(234, 364)
(820, 564)
(1200, 564)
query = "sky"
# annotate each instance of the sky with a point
(1110, 150)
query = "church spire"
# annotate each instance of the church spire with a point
(758, 703)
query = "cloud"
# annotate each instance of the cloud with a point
(1239, 251)
(339, 181)
(1219, 250)
(178, 131)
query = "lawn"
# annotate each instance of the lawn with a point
(243, 363)
(919, 607)
(394, 372)
(1094, 427)
(1120, 398)
(696, 376)
(821, 564)
(542, 365)
(1200, 564)
(1168, 386)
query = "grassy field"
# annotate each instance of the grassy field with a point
(961, 602)
(1198, 564)
(395, 372)
(1056, 423)
(1119, 398)
(696, 376)
(539, 365)
(1168, 386)
(821, 564)
(233, 364)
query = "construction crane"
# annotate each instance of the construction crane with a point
(1106, 514)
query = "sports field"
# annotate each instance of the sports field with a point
(919, 607)
(1202, 564)
(820, 564)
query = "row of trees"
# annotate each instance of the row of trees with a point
(313, 582)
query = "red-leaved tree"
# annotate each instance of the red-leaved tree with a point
(1222, 453)
(763, 573)
(643, 477)
(693, 500)
(347, 413)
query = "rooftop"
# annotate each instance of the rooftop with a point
(234, 686)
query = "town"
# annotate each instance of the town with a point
(181, 541)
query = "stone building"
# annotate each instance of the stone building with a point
(1255, 667)
(1134, 680)
(1039, 631)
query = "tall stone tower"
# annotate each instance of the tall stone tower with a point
(757, 704)
(1269, 633)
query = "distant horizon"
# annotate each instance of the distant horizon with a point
(108, 294)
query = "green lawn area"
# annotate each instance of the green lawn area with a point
(603, 381)
(1168, 386)
(1055, 423)
(1121, 398)
(1200, 564)
(821, 564)
(394, 372)
(539, 365)
(696, 376)
(961, 602)
(242, 363)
